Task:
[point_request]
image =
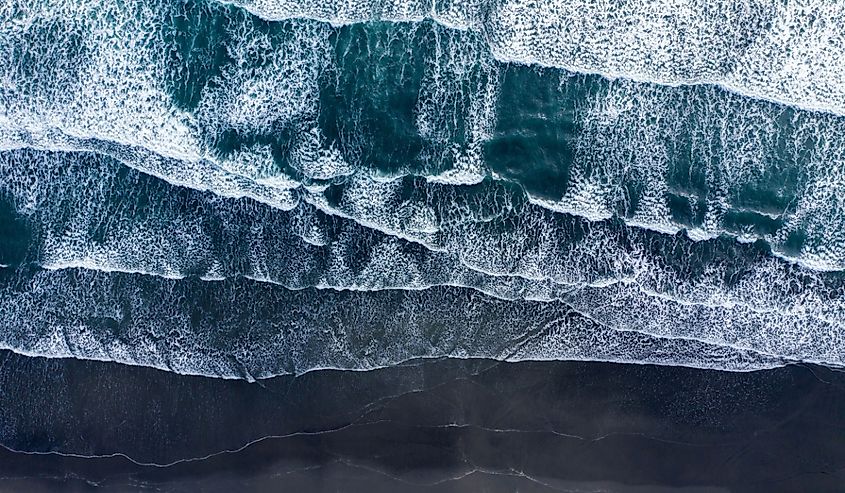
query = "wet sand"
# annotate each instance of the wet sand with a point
(440, 425)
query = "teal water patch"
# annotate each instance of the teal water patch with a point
(195, 35)
(16, 235)
(368, 103)
(536, 127)
(399, 97)
(214, 52)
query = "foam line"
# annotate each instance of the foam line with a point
(771, 50)
(253, 347)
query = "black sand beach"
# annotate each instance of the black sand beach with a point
(437, 425)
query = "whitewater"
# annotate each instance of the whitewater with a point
(245, 203)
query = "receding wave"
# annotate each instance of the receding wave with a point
(97, 215)
(244, 329)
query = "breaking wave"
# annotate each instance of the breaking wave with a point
(685, 207)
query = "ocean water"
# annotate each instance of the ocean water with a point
(540, 181)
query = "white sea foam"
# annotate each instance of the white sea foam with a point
(102, 88)
(620, 142)
(784, 51)
(128, 319)
(624, 289)
(110, 99)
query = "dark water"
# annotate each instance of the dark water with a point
(222, 196)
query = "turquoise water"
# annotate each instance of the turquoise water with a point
(251, 190)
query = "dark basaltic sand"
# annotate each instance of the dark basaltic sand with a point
(444, 425)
